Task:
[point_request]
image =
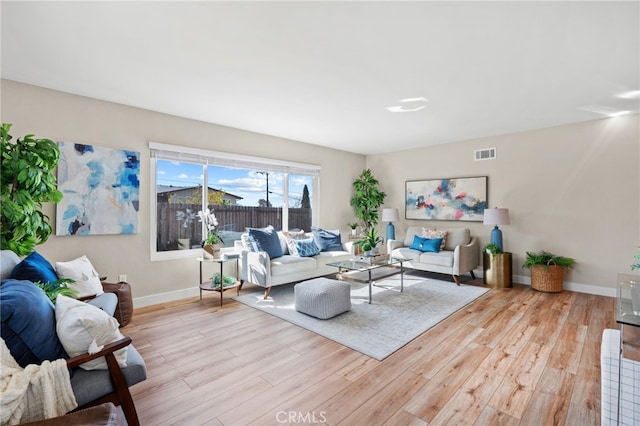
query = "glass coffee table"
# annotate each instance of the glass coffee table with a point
(365, 272)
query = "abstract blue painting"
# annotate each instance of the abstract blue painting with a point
(100, 188)
(446, 199)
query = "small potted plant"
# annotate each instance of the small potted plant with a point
(492, 249)
(370, 241)
(547, 270)
(212, 242)
(354, 227)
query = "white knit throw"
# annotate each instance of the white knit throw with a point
(34, 393)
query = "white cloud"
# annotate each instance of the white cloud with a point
(244, 184)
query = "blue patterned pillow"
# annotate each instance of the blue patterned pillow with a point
(306, 247)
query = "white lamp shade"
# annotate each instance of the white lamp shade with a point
(496, 217)
(390, 215)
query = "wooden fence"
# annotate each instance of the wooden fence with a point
(232, 221)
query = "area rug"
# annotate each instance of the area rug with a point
(378, 329)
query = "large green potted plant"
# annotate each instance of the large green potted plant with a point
(367, 199)
(547, 270)
(27, 180)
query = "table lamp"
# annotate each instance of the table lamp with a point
(390, 215)
(496, 217)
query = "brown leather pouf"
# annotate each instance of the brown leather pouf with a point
(124, 310)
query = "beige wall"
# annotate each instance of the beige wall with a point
(573, 190)
(66, 117)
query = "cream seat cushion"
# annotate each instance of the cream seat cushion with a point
(444, 258)
(289, 264)
(407, 253)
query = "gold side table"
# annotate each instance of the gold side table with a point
(497, 270)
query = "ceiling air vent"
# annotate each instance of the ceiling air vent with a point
(485, 154)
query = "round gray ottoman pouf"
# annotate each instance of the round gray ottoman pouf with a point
(322, 298)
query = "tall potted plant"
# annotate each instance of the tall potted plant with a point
(27, 180)
(547, 270)
(367, 199)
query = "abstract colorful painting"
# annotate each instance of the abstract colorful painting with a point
(100, 188)
(446, 199)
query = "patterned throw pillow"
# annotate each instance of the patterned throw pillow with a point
(290, 237)
(435, 233)
(306, 247)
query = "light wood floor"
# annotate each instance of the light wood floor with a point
(513, 357)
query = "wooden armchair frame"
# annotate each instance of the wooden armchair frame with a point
(121, 396)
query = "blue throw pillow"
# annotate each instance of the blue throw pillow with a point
(306, 247)
(266, 239)
(426, 244)
(34, 268)
(327, 240)
(28, 323)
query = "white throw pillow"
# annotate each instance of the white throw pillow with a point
(82, 327)
(87, 280)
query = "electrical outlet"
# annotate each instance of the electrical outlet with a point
(122, 278)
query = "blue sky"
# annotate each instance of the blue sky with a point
(248, 184)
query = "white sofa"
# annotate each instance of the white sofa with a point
(258, 268)
(461, 253)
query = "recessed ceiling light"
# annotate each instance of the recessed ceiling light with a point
(400, 108)
(420, 99)
(604, 110)
(631, 94)
(416, 101)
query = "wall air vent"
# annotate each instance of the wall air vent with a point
(485, 154)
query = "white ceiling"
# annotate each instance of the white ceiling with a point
(324, 72)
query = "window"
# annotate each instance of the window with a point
(241, 191)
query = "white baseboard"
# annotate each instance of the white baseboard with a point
(155, 299)
(577, 287)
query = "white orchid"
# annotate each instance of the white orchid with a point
(210, 221)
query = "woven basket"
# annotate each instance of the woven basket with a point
(548, 279)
